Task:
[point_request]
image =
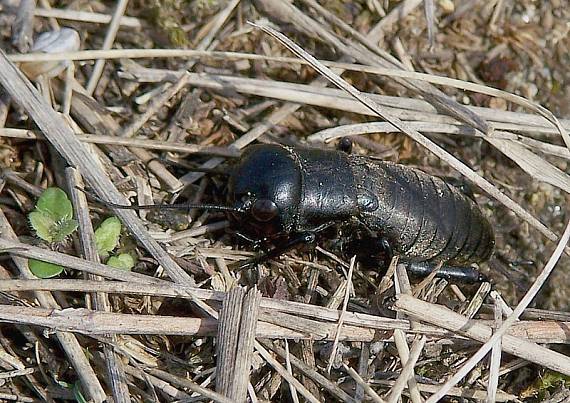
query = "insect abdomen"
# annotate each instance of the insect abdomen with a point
(422, 217)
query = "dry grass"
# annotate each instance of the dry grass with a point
(477, 89)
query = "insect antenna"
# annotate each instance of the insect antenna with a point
(188, 167)
(177, 206)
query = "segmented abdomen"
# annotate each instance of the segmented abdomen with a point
(423, 217)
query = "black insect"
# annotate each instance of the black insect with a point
(286, 196)
(298, 192)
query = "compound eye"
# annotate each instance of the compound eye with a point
(264, 210)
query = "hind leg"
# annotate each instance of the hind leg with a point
(462, 274)
(375, 251)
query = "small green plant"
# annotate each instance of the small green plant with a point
(107, 235)
(44, 269)
(123, 261)
(544, 384)
(53, 222)
(52, 219)
(107, 239)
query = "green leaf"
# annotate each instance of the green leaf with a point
(124, 261)
(63, 229)
(52, 218)
(75, 388)
(44, 269)
(42, 224)
(77, 393)
(107, 235)
(55, 203)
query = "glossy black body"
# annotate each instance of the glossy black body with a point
(422, 217)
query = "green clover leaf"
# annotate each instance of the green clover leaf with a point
(124, 261)
(55, 203)
(107, 235)
(63, 229)
(43, 224)
(52, 219)
(44, 269)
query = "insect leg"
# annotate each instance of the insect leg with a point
(302, 238)
(466, 274)
(255, 244)
(371, 251)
